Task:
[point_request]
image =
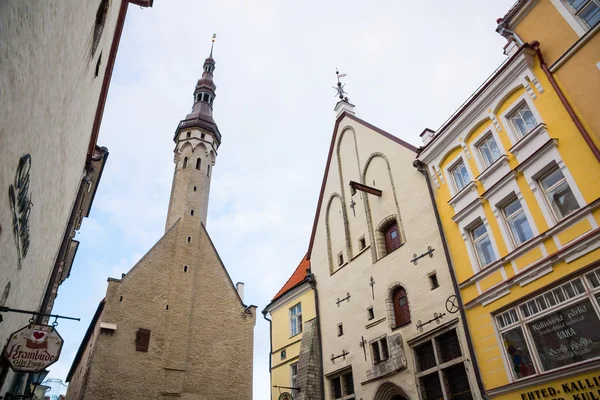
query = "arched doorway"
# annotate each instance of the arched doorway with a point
(390, 391)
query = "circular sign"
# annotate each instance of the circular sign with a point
(452, 304)
(33, 348)
(286, 396)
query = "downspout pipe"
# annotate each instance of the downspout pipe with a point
(535, 45)
(422, 168)
(264, 313)
(313, 284)
(507, 33)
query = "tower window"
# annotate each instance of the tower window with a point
(340, 259)
(121, 299)
(202, 136)
(198, 162)
(98, 64)
(184, 162)
(189, 239)
(197, 96)
(370, 313)
(192, 212)
(340, 329)
(194, 188)
(208, 170)
(189, 134)
(433, 281)
(362, 243)
(185, 267)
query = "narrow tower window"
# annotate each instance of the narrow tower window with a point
(185, 268)
(189, 134)
(208, 170)
(194, 188)
(98, 64)
(433, 281)
(192, 212)
(184, 162)
(189, 239)
(198, 162)
(340, 329)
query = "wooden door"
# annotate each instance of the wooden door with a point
(401, 310)
(392, 238)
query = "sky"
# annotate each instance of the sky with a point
(409, 66)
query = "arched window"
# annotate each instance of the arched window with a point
(198, 161)
(401, 310)
(391, 236)
(184, 162)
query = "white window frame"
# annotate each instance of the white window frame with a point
(479, 159)
(522, 321)
(296, 317)
(508, 218)
(537, 168)
(513, 135)
(545, 191)
(294, 378)
(465, 225)
(480, 239)
(572, 13)
(450, 179)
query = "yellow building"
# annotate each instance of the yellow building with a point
(518, 193)
(567, 31)
(295, 347)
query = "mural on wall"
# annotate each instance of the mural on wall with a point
(20, 204)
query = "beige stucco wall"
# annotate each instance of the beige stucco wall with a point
(404, 190)
(49, 99)
(201, 347)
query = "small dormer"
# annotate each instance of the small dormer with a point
(204, 97)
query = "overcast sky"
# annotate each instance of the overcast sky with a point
(410, 65)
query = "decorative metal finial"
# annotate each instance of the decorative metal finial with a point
(340, 86)
(214, 37)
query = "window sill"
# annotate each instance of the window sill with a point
(465, 197)
(530, 143)
(293, 336)
(494, 172)
(400, 326)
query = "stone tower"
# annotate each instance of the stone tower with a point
(197, 139)
(175, 325)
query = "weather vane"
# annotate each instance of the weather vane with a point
(340, 87)
(214, 37)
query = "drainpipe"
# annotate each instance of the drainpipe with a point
(313, 284)
(535, 45)
(421, 167)
(264, 313)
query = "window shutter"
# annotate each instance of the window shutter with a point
(401, 309)
(392, 238)
(142, 339)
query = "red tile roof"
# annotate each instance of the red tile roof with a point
(296, 278)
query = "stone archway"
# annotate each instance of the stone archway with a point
(390, 391)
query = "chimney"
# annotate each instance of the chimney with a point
(240, 289)
(427, 135)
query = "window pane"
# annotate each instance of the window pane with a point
(489, 151)
(457, 382)
(560, 296)
(375, 352)
(431, 387)
(479, 231)
(518, 353)
(512, 207)
(568, 336)
(529, 119)
(294, 327)
(520, 228)
(348, 384)
(591, 14)
(336, 388)
(425, 356)
(569, 290)
(550, 299)
(563, 200)
(577, 4)
(460, 175)
(593, 278)
(485, 251)
(551, 179)
(578, 285)
(448, 346)
(519, 125)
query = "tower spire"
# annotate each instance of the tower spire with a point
(343, 105)
(197, 139)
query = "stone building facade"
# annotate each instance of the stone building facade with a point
(175, 325)
(389, 318)
(57, 59)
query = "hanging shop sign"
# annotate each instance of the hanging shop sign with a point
(33, 348)
(285, 396)
(20, 204)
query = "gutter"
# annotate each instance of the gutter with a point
(264, 313)
(535, 45)
(420, 166)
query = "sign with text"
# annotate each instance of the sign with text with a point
(33, 348)
(567, 336)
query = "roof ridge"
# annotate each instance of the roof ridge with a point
(296, 278)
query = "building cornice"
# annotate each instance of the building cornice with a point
(291, 295)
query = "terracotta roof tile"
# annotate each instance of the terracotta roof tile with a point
(296, 278)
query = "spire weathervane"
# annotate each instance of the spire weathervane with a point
(340, 86)
(214, 37)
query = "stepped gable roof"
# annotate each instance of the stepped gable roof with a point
(298, 277)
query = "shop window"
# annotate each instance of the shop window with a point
(401, 307)
(516, 220)
(460, 175)
(296, 319)
(555, 329)
(342, 386)
(558, 193)
(522, 120)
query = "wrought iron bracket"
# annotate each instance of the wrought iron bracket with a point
(344, 299)
(436, 317)
(429, 253)
(33, 313)
(334, 357)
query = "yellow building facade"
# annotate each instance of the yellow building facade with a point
(567, 31)
(517, 189)
(294, 350)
